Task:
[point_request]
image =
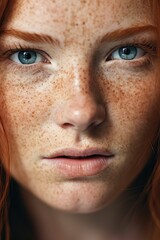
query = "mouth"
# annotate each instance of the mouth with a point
(80, 157)
(77, 153)
(73, 163)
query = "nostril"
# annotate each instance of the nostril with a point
(83, 118)
(80, 117)
(93, 124)
(67, 125)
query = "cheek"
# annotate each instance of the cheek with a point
(132, 102)
(133, 94)
(25, 105)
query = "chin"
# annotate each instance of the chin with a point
(80, 204)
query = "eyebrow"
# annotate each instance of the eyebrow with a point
(31, 37)
(115, 35)
(120, 34)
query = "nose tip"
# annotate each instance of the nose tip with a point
(84, 119)
(81, 115)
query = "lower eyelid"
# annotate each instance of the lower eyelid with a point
(141, 64)
(29, 69)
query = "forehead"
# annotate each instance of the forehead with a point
(80, 18)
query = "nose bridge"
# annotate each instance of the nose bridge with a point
(80, 71)
(82, 94)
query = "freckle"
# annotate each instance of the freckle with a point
(33, 113)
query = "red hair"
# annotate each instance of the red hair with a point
(154, 185)
(4, 156)
(4, 182)
(154, 193)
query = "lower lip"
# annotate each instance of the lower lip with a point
(73, 168)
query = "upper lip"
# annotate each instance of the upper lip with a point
(68, 152)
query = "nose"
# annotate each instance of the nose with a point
(81, 113)
(82, 109)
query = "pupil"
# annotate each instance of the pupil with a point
(27, 55)
(126, 51)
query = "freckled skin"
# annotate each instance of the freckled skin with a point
(38, 105)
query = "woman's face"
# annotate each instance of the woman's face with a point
(88, 82)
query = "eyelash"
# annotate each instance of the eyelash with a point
(18, 48)
(149, 48)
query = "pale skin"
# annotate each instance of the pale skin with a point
(80, 97)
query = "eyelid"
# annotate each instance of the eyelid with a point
(11, 51)
(149, 46)
(139, 53)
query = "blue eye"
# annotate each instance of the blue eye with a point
(26, 57)
(127, 53)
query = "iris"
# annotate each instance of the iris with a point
(27, 57)
(127, 53)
